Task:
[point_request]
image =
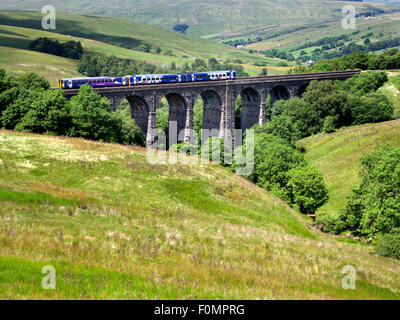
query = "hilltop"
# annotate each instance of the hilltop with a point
(116, 227)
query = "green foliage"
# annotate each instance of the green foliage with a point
(389, 245)
(129, 132)
(70, 49)
(365, 82)
(30, 80)
(273, 159)
(91, 117)
(19, 106)
(371, 108)
(49, 114)
(374, 206)
(185, 148)
(301, 118)
(216, 150)
(327, 100)
(308, 190)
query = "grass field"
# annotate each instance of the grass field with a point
(49, 66)
(17, 29)
(337, 156)
(114, 226)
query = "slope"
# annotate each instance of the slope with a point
(337, 156)
(115, 226)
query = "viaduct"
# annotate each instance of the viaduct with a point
(218, 100)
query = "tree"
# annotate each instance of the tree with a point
(370, 108)
(19, 106)
(180, 28)
(91, 117)
(308, 190)
(328, 100)
(273, 159)
(374, 206)
(49, 114)
(303, 116)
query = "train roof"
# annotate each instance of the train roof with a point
(89, 78)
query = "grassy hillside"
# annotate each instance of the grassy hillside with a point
(124, 38)
(337, 156)
(115, 226)
(287, 37)
(208, 17)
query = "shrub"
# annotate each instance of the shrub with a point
(370, 108)
(91, 117)
(308, 190)
(389, 245)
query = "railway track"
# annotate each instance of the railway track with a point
(246, 80)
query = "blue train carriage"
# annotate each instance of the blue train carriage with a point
(155, 78)
(96, 82)
(213, 75)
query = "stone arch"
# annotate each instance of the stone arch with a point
(212, 112)
(250, 113)
(279, 92)
(139, 111)
(300, 91)
(177, 113)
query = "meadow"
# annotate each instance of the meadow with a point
(115, 226)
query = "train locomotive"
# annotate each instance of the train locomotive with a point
(134, 80)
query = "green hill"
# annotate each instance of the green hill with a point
(123, 38)
(208, 17)
(337, 156)
(116, 227)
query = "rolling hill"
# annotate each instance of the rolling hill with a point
(116, 227)
(208, 17)
(112, 36)
(337, 156)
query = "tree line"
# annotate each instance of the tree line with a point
(70, 49)
(28, 104)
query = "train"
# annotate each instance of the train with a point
(134, 80)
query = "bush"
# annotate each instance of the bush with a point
(308, 190)
(273, 159)
(389, 245)
(70, 49)
(370, 108)
(49, 114)
(91, 117)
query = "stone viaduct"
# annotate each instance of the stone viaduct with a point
(218, 101)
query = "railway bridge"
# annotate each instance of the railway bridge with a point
(218, 101)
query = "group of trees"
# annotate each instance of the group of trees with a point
(373, 209)
(70, 49)
(94, 65)
(282, 169)
(28, 104)
(389, 59)
(328, 105)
